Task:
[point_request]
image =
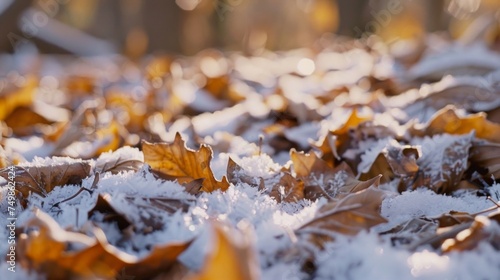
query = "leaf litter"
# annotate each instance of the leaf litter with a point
(257, 171)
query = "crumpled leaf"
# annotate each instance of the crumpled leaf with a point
(61, 254)
(231, 258)
(322, 180)
(288, 189)
(176, 161)
(448, 121)
(442, 169)
(395, 161)
(336, 142)
(354, 213)
(43, 179)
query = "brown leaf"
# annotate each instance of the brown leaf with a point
(52, 251)
(108, 212)
(322, 180)
(230, 259)
(485, 158)
(412, 231)
(453, 218)
(395, 161)
(21, 94)
(448, 121)
(236, 174)
(443, 166)
(145, 214)
(176, 161)
(288, 189)
(354, 213)
(43, 179)
(482, 229)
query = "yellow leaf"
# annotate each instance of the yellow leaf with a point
(230, 260)
(50, 250)
(448, 121)
(23, 96)
(176, 161)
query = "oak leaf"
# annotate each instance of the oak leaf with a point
(176, 161)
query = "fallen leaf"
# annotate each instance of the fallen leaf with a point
(395, 161)
(485, 159)
(442, 169)
(108, 212)
(176, 161)
(322, 180)
(354, 213)
(61, 254)
(288, 189)
(21, 94)
(482, 229)
(448, 121)
(229, 258)
(236, 174)
(43, 179)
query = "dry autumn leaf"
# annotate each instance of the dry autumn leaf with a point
(231, 258)
(43, 179)
(21, 95)
(322, 180)
(395, 161)
(288, 189)
(354, 213)
(482, 229)
(236, 174)
(485, 159)
(443, 169)
(447, 120)
(176, 161)
(61, 254)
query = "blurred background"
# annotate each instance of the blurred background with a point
(135, 27)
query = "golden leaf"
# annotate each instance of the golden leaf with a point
(22, 96)
(230, 259)
(50, 250)
(176, 161)
(448, 121)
